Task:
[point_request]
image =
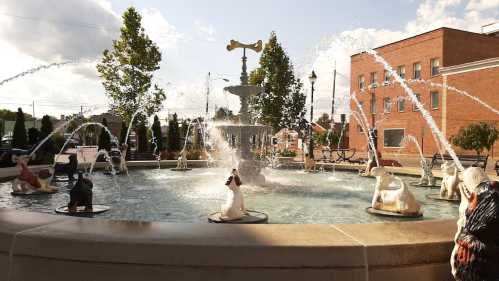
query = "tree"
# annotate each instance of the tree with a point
(104, 137)
(141, 133)
(173, 134)
(128, 68)
(8, 115)
(19, 138)
(324, 121)
(123, 133)
(282, 103)
(156, 130)
(477, 137)
(33, 136)
(223, 113)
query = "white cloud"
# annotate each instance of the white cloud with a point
(482, 5)
(159, 29)
(431, 14)
(206, 32)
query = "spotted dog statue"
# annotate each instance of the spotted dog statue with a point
(400, 200)
(475, 256)
(426, 174)
(450, 181)
(182, 160)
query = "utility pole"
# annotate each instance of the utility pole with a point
(207, 93)
(334, 93)
(34, 118)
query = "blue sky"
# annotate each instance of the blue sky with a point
(192, 36)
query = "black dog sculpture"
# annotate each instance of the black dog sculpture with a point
(69, 169)
(81, 194)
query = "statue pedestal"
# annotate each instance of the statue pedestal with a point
(377, 212)
(253, 217)
(80, 210)
(438, 197)
(416, 184)
(180, 169)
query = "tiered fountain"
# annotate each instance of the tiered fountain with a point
(248, 167)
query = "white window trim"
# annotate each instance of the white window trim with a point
(391, 129)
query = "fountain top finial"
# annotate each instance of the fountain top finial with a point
(257, 47)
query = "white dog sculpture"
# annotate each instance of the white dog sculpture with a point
(426, 174)
(27, 182)
(123, 150)
(450, 181)
(182, 160)
(400, 200)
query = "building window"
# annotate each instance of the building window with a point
(434, 100)
(414, 107)
(435, 67)
(417, 71)
(387, 105)
(401, 71)
(387, 77)
(373, 103)
(374, 79)
(393, 137)
(362, 82)
(401, 104)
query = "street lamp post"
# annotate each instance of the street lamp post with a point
(208, 81)
(312, 79)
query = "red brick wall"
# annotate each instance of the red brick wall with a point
(462, 111)
(417, 49)
(451, 47)
(462, 47)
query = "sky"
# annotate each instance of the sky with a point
(192, 36)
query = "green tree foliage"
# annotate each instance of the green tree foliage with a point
(141, 133)
(8, 115)
(327, 139)
(104, 138)
(282, 104)
(128, 68)
(19, 138)
(477, 137)
(223, 113)
(47, 126)
(324, 121)
(33, 136)
(156, 129)
(173, 137)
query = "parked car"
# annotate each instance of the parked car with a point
(6, 156)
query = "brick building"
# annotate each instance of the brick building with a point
(465, 60)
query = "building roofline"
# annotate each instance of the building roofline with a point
(470, 66)
(424, 33)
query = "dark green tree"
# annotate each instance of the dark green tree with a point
(173, 137)
(19, 138)
(156, 129)
(141, 133)
(47, 127)
(128, 68)
(104, 137)
(33, 136)
(223, 113)
(477, 137)
(282, 104)
(324, 121)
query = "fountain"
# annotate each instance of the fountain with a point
(247, 166)
(427, 179)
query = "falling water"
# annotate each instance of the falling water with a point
(131, 123)
(59, 128)
(415, 101)
(34, 70)
(366, 123)
(411, 138)
(155, 143)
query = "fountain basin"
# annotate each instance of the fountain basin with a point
(41, 247)
(244, 91)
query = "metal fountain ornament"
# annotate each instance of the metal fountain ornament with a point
(249, 168)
